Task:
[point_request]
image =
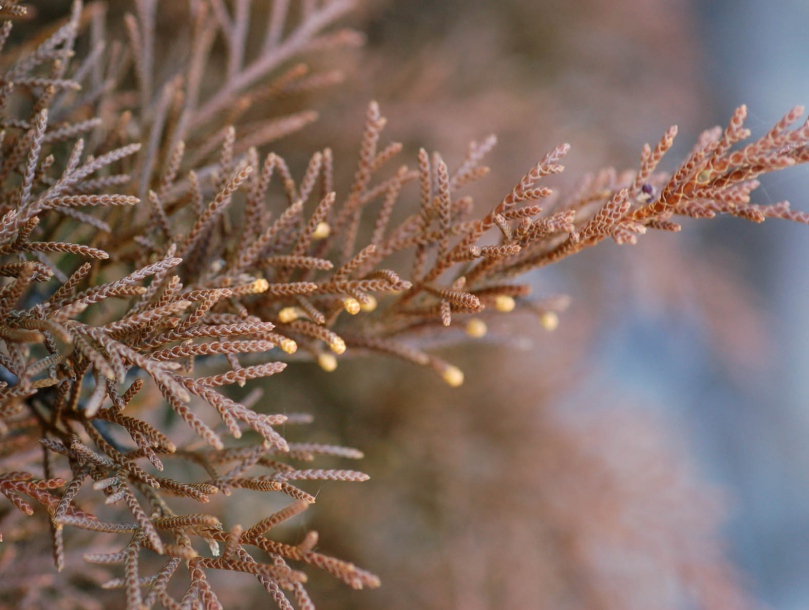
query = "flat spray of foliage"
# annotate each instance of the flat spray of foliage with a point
(152, 257)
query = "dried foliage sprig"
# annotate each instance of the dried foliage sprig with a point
(197, 250)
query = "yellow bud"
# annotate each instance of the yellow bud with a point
(504, 303)
(322, 231)
(338, 346)
(259, 286)
(289, 346)
(327, 362)
(549, 320)
(369, 305)
(289, 314)
(476, 328)
(453, 376)
(351, 305)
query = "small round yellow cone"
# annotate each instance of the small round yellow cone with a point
(289, 346)
(322, 231)
(327, 362)
(504, 303)
(549, 320)
(289, 314)
(351, 305)
(453, 376)
(369, 305)
(476, 328)
(338, 346)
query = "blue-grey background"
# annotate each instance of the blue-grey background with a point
(753, 435)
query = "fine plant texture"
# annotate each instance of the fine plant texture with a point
(158, 257)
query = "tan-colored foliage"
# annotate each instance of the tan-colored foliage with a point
(156, 252)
